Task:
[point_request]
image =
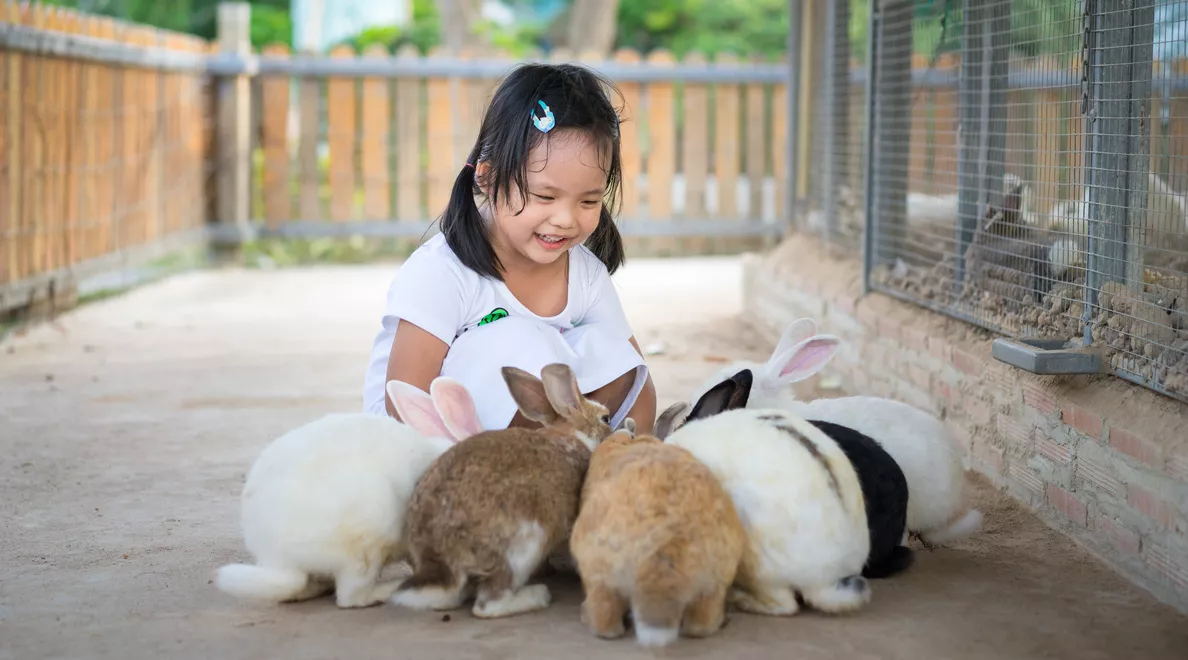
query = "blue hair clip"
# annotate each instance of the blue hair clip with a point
(544, 125)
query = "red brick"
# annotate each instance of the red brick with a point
(1150, 505)
(920, 375)
(979, 411)
(1137, 447)
(1101, 477)
(1014, 432)
(868, 316)
(939, 348)
(1120, 536)
(1082, 420)
(1068, 504)
(1048, 448)
(1036, 397)
(1172, 565)
(1026, 477)
(914, 339)
(1177, 466)
(992, 456)
(942, 391)
(968, 362)
(889, 328)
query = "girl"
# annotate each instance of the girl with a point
(520, 276)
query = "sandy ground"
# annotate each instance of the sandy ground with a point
(126, 429)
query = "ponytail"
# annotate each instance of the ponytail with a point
(465, 229)
(607, 243)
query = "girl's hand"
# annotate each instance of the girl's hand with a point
(416, 359)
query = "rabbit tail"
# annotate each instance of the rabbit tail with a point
(964, 526)
(263, 582)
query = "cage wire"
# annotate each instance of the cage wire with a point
(1037, 160)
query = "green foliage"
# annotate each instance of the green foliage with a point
(271, 26)
(424, 32)
(743, 27)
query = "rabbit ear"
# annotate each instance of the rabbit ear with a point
(561, 388)
(796, 332)
(415, 408)
(456, 407)
(628, 425)
(529, 394)
(801, 361)
(671, 419)
(729, 394)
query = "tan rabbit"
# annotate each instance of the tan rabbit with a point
(657, 532)
(491, 508)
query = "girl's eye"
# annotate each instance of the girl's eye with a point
(591, 203)
(544, 198)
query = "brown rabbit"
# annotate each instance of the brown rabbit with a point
(658, 532)
(491, 508)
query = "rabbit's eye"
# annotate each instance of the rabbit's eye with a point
(605, 419)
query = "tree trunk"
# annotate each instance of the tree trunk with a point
(457, 22)
(592, 26)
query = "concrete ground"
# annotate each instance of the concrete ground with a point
(126, 429)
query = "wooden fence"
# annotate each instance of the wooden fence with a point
(367, 148)
(95, 158)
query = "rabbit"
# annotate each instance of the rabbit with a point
(655, 533)
(489, 511)
(324, 504)
(796, 493)
(884, 487)
(919, 442)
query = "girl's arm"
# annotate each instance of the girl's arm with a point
(416, 359)
(644, 410)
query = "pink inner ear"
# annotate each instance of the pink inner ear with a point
(454, 403)
(416, 410)
(809, 358)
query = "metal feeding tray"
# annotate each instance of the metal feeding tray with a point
(1047, 356)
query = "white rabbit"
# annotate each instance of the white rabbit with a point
(796, 494)
(324, 504)
(918, 441)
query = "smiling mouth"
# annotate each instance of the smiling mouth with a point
(550, 239)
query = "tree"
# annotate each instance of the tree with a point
(459, 20)
(593, 25)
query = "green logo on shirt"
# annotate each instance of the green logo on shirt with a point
(495, 315)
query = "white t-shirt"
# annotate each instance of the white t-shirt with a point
(436, 292)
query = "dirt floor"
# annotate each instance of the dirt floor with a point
(126, 429)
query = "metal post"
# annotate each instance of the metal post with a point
(892, 96)
(982, 132)
(1119, 52)
(870, 236)
(829, 204)
(792, 131)
(837, 82)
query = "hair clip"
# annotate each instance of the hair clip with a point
(543, 125)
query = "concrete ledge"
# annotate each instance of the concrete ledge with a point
(1102, 460)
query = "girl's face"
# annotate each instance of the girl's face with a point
(562, 205)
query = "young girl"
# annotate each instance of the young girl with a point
(520, 276)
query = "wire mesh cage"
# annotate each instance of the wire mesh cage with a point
(1037, 161)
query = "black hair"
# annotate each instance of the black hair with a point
(578, 99)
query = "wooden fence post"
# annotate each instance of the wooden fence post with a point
(234, 119)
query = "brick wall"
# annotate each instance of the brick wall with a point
(1100, 459)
